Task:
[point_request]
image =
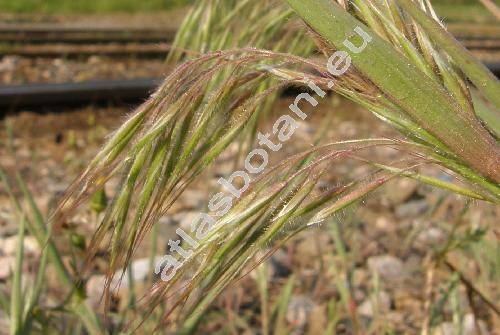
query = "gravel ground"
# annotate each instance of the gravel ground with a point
(372, 270)
(390, 240)
(15, 70)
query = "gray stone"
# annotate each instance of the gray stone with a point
(429, 237)
(57, 188)
(299, 309)
(387, 267)
(412, 208)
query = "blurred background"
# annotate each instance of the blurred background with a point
(71, 70)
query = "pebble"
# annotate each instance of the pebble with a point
(468, 327)
(348, 128)
(185, 219)
(7, 264)
(384, 224)
(313, 244)
(140, 272)
(387, 267)
(299, 309)
(412, 208)
(95, 287)
(8, 246)
(57, 188)
(359, 277)
(305, 131)
(381, 303)
(398, 191)
(429, 237)
(9, 63)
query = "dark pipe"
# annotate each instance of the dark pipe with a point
(40, 95)
(43, 95)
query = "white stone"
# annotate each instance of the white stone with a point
(7, 264)
(469, 325)
(95, 289)
(380, 304)
(9, 246)
(140, 272)
(185, 219)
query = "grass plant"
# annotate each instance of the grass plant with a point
(412, 75)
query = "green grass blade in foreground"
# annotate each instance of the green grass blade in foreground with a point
(261, 281)
(79, 306)
(4, 303)
(16, 305)
(425, 101)
(282, 306)
(36, 291)
(437, 183)
(39, 231)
